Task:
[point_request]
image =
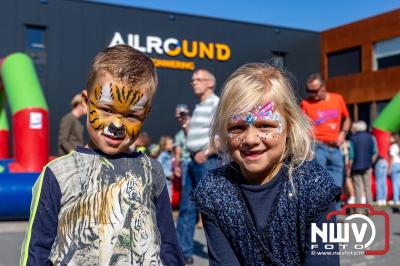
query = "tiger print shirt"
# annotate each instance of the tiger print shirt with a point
(89, 208)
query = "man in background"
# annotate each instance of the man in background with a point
(331, 119)
(362, 154)
(203, 158)
(70, 134)
(183, 118)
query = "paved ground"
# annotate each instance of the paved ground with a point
(12, 233)
(390, 258)
(11, 237)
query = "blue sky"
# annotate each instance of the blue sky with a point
(316, 15)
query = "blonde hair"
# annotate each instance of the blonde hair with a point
(246, 88)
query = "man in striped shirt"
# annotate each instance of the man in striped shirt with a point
(203, 158)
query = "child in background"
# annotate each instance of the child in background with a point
(381, 172)
(394, 152)
(177, 180)
(154, 151)
(348, 181)
(103, 205)
(258, 209)
(142, 143)
(165, 159)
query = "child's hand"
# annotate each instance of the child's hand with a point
(177, 172)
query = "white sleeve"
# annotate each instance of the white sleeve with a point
(394, 150)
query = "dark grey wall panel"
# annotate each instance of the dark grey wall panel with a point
(77, 30)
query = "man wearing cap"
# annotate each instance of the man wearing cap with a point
(70, 133)
(183, 119)
(180, 140)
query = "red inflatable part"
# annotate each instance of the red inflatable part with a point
(383, 140)
(4, 137)
(176, 192)
(31, 137)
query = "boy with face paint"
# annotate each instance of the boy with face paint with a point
(116, 112)
(102, 204)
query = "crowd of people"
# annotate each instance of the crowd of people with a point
(346, 149)
(257, 166)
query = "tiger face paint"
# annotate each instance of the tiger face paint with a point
(115, 114)
(256, 140)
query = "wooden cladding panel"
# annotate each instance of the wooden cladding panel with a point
(365, 31)
(367, 53)
(366, 87)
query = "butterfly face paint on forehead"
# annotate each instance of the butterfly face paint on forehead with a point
(260, 113)
(265, 118)
(117, 110)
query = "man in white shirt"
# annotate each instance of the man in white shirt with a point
(203, 158)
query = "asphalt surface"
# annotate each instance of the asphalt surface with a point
(12, 234)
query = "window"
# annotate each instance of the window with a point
(386, 53)
(278, 59)
(35, 46)
(344, 62)
(364, 112)
(381, 105)
(361, 111)
(350, 108)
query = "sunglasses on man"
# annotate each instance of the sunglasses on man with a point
(315, 91)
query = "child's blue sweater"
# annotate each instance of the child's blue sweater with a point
(285, 238)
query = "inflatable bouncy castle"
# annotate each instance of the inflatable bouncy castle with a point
(387, 123)
(21, 87)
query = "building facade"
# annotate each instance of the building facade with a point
(63, 36)
(361, 61)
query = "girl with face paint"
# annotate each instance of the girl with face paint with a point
(256, 140)
(258, 208)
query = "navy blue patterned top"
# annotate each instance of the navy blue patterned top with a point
(279, 236)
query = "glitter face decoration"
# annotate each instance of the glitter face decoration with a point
(264, 118)
(116, 110)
